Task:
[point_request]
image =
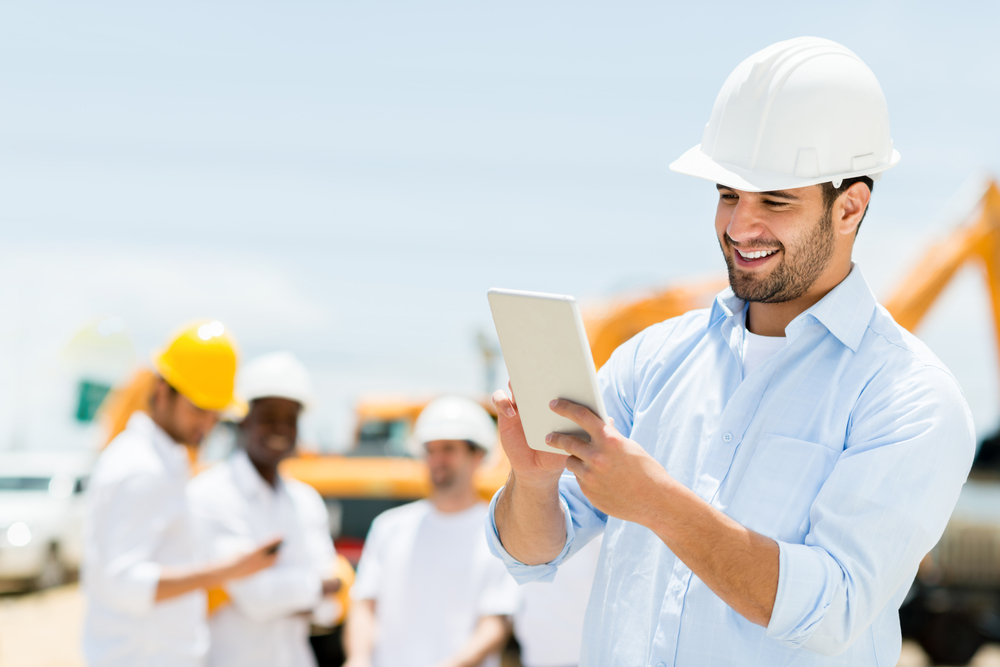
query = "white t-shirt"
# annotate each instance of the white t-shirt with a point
(758, 349)
(549, 623)
(432, 578)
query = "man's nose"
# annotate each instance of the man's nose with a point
(745, 223)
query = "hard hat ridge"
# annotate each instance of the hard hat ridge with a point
(797, 113)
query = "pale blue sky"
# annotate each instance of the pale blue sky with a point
(347, 180)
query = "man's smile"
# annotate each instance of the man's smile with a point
(753, 257)
(279, 443)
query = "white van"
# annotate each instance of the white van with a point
(41, 515)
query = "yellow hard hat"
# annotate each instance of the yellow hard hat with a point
(200, 362)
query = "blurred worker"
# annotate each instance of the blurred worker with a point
(144, 573)
(778, 464)
(427, 592)
(243, 501)
(549, 621)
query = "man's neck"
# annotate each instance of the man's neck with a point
(268, 473)
(770, 319)
(450, 502)
(164, 426)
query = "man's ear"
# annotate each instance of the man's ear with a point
(850, 207)
(159, 394)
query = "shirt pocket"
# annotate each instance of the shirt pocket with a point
(779, 485)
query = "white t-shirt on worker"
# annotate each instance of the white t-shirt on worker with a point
(432, 578)
(549, 623)
(758, 349)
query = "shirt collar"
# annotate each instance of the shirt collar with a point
(726, 305)
(845, 311)
(249, 481)
(173, 454)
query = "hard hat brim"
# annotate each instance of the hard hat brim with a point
(698, 164)
(205, 402)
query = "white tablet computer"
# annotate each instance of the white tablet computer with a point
(547, 354)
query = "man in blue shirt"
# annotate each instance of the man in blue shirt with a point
(775, 467)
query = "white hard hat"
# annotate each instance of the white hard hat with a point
(798, 113)
(275, 375)
(453, 418)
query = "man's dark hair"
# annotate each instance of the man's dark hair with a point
(831, 193)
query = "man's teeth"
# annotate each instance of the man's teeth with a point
(756, 254)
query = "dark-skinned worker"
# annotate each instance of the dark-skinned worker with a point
(428, 593)
(245, 500)
(144, 571)
(777, 464)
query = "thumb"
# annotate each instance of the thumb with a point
(505, 407)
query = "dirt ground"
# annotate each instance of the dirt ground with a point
(43, 630)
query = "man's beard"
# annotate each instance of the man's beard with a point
(793, 276)
(443, 478)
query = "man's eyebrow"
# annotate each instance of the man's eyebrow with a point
(779, 194)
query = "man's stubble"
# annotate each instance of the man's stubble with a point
(794, 275)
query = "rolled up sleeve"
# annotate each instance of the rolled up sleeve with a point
(276, 592)
(883, 508)
(583, 523)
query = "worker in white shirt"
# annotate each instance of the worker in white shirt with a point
(548, 624)
(144, 574)
(243, 500)
(427, 593)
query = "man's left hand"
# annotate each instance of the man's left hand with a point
(616, 474)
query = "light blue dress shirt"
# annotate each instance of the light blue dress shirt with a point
(848, 446)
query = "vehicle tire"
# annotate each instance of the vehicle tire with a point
(53, 572)
(951, 638)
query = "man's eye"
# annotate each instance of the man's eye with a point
(773, 203)
(728, 197)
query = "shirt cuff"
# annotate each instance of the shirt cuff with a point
(806, 582)
(526, 573)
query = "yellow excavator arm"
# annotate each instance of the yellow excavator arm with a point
(977, 239)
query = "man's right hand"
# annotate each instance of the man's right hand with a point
(530, 466)
(264, 556)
